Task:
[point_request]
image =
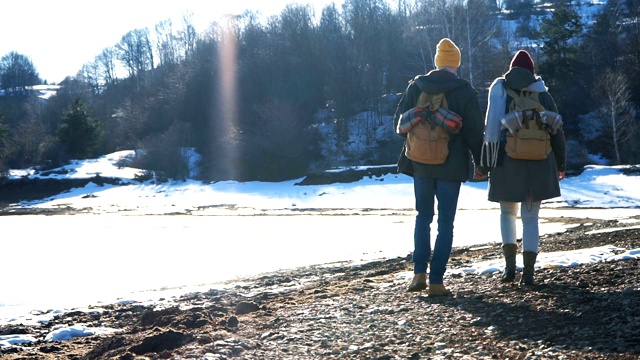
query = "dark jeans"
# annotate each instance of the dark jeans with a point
(427, 190)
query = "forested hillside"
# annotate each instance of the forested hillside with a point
(260, 99)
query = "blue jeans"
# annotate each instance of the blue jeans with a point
(427, 190)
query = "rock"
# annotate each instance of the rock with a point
(246, 307)
(233, 322)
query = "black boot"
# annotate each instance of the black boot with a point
(509, 251)
(529, 259)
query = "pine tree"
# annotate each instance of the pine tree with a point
(560, 35)
(4, 144)
(80, 133)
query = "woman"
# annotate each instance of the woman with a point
(515, 182)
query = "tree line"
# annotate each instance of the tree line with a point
(247, 91)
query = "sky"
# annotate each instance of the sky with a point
(143, 242)
(60, 36)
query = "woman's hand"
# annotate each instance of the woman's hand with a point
(478, 174)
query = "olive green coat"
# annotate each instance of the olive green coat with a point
(515, 180)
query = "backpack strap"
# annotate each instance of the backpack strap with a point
(527, 102)
(432, 101)
(524, 100)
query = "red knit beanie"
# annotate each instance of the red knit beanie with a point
(523, 59)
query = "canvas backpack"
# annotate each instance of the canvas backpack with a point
(427, 141)
(530, 139)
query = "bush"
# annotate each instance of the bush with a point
(164, 156)
(577, 155)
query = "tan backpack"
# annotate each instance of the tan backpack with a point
(428, 143)
(532, 140)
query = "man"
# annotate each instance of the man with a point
(442, 181)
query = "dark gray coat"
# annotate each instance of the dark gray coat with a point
(461, 99)
(515, 180)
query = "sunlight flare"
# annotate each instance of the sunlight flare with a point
(228, 101)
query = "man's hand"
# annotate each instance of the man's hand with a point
(560, 175)
(478, 174)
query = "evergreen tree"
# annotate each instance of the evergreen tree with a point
(4, 144)
(560, 36)
(602, 47)
(80, 133)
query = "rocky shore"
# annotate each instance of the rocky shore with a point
(347, 311)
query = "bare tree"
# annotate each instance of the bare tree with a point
(369, 47)
(614, 94)
(17, 72)
(334, 47)
(107, 65)
(166, 43)
(135, 51)
(188, 36)
(479, 27)
(90, 73)
(433, 20)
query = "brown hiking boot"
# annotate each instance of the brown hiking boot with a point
(418, 283)
(438, 290)
(509, 251)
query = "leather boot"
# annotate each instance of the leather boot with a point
(529, 259)
(509, 251)
(418, 283)
(438, 290)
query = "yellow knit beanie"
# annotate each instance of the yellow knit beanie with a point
(447, 54)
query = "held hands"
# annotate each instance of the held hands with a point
(478, 174)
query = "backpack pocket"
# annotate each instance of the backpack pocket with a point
(528, 144)
(427, 144)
